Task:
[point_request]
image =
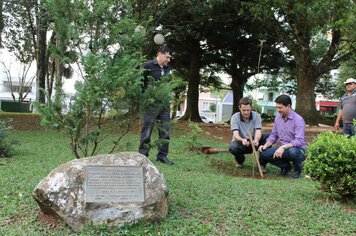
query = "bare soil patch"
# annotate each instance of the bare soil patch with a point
(222, 131)
(21, 121)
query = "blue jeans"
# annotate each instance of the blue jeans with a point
(295, 155)
(150, 118)
(238, 149)
(348, 129)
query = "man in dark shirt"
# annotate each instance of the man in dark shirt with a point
(157, 112)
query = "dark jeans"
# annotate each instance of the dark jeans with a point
(238, 149)
(295, 155)
(348, 129)
(150, 118)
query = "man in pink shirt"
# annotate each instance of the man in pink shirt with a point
(288, 128)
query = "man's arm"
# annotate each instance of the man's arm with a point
(264, 147)
(299, 131)
(272, 138)
(258, 135)
(258, 130)
(338, 119)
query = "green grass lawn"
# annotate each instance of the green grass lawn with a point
(207, 195)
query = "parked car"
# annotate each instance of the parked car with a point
(203, 118)
(206, 120)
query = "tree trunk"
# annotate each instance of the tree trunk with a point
(1, 21)
(41, 56)
(305, 104)
(192, 111)
(237, 91)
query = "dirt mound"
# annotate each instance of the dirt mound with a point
(222, 131)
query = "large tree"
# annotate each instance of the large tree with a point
(25, 29)
(239, 46)
(28, 24)
(184, 20)
(1, 21)
(297, 23)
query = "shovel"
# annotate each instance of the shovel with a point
(211, 150)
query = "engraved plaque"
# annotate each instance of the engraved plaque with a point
(114, 184)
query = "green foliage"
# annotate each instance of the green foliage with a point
(212, 107)
(255, 107)
(266, 117)
(192, 138)
(158, 94)
(111, 79)
(347, 70)
(331, 161)
(324, 84)
(179, 92)
(6, 145)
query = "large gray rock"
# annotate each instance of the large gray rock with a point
(62, 193)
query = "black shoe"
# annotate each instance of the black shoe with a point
(295, 174)
(165, 160)
(285, 171)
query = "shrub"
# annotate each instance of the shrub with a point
(266, 117)
(331, 161)
(6, 145)
(192, 138)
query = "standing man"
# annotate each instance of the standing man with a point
(242, 122)
(289, 128)
(157, 112)
(348, 108)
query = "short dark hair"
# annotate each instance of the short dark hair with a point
(245, 101)
(164, 49)
(284, 99)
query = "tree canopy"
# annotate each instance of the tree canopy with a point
(299, 40)
(299, 26)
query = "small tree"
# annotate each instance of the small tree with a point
(109, 52)
(6, 145)
(179, 92)
(24, 83)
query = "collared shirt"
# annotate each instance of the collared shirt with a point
(288, 130)
(152, 68)
(348, 106)
(254, 123)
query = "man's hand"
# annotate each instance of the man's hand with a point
(255, 142)
(278, 153)
(262, 148)
(337, 126)
(245, 142)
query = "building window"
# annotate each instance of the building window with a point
(270, 97)
(260, 96)
(205, 106)
(25, 89)
(16, 88)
